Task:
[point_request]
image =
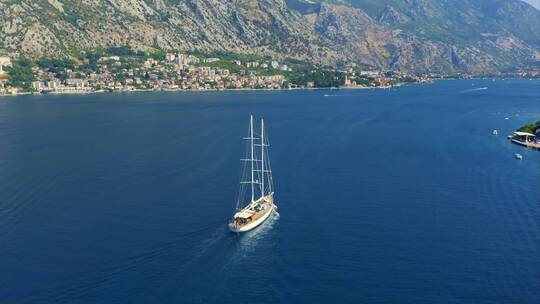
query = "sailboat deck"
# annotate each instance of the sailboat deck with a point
(250, 214)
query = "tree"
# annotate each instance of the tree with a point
(21, 74)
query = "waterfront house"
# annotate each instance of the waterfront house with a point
(53, 84)
(38, 85)
(77, 83)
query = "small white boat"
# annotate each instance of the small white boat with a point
(256, 174)
(495, 132)
(518, 156)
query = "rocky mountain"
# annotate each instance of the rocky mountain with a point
(411, 35)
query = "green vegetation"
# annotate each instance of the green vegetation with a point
(321, 78)
(224, 64)
(123, 51)
(157, 55)
(530, 128)
(55, 65)
(364, 80)
(407, 79)
(21, 74)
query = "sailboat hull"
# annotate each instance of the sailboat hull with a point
(253, 224)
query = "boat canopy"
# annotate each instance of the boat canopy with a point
(523, 134)
(245, 214)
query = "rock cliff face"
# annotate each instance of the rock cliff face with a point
(410, 35)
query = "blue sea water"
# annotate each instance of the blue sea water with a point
(401, 195)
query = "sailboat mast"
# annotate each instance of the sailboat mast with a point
(262, 158)
(252, 159)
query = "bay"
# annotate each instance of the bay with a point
(401, 195)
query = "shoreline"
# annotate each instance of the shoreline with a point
(74, 92)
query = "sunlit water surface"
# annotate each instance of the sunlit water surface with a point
(385, 196)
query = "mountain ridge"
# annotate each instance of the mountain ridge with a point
(472, 36)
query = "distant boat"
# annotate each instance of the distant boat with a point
(518, 156)
(252, 211)
(495, 132)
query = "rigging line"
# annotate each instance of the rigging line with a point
(252, 157)
(267, 164)
(262, 158)
(242, 190)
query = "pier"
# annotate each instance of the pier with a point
(525, 139)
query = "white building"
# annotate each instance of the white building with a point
(369, 73)
(170, 57)
(53, 84)
(210, 60)
(184, 60)
(113, 58)
(38, 85)
(77, 83)
(4, 62)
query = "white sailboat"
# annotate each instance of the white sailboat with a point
(257, 181)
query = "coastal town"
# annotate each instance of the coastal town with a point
(123, 70)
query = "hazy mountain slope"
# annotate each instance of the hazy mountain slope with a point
(421, 35)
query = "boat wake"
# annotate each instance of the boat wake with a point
(339, 95)
(473, 90)
(246, 244)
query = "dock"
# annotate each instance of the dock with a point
(525, 139)
(528, 144)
